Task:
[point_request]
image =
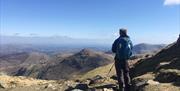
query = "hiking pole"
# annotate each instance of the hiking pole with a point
(108, 72)
(110, 69)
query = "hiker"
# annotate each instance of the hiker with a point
(122, 47)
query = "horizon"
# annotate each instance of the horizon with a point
(152, 21)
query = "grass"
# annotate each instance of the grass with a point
(102, 71)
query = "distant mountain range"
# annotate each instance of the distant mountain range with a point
(55, 44)
(51, 49)
(40, 65)
(147, 48)
(54, 40)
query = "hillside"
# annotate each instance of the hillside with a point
(163, 68)
(59, 66)
(147, 48)
(12, 63)
(77, 64)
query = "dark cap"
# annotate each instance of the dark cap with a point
(123, 31)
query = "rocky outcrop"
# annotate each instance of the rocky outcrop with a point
(159, 71)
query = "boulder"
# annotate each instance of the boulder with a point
(3, 85)
(107, 89)
(168, 76)
(81, 86)
(152, 82)
(95, 80)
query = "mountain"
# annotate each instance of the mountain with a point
(12, 63)
(58, 66)
(77, 64)
(147, 48)
(163, 69)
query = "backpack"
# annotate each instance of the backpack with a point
(123, 50)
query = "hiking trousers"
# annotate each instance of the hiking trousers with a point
(122, 71)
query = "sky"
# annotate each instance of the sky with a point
(147, 21)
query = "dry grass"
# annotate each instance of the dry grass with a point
(102, 71)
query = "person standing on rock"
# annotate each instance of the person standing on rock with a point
(122, 47)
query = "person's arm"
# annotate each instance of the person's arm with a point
(114, 46)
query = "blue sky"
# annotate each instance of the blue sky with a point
(149, 21)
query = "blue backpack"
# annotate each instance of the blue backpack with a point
(124, 48)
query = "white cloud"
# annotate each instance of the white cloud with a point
(172, 2)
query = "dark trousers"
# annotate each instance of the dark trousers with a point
(122, 71)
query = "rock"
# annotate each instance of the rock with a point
(50, 86)
(82, 86)
(77, 80)
(107, 89)
(114, 77)
(139, 84)
(3, 85)
(151, 82)
(168, 76)
(96, 79)
(69, 89)
(86, 81)
(76, 90)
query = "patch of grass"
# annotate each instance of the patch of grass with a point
(102, 71)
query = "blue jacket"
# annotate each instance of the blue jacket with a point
(115, 44)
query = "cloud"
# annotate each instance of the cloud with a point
(172, 2)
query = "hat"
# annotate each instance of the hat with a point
(123, 31)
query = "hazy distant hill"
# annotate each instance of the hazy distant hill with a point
(147, 48)
(144, 48)
(54, 40)
(50, 49)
